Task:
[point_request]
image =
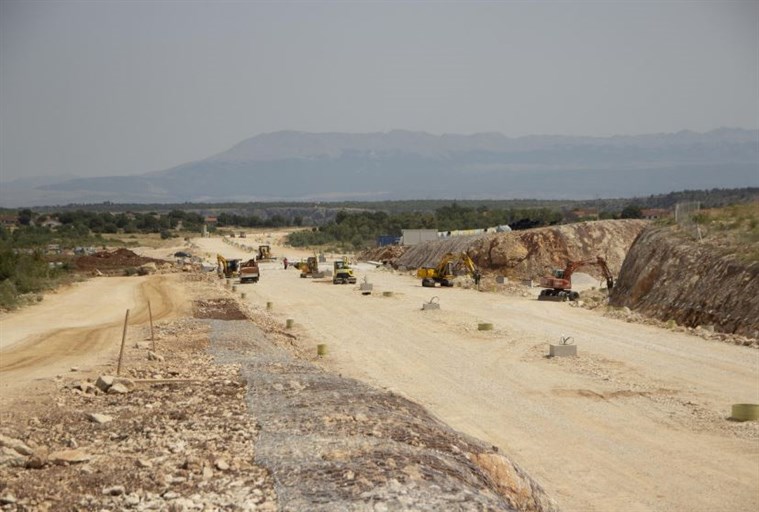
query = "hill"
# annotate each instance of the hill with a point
(297, 166)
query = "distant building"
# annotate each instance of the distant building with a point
(384, 240)
(655, 213)
(50, 223)
(211, 221)
(418, 236)
(585, 213)
(9, 221)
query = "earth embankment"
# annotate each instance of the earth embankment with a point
(530, 253)
(671, 277)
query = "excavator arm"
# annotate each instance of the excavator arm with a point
(559, 285)
(444, 272)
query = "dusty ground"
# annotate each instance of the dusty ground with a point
(638, 421)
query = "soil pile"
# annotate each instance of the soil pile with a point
(669, 276)
(114, 261)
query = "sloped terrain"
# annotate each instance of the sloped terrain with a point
(531, 253)
(672, 277)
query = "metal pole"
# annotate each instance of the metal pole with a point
(152, 336)
(123, 339)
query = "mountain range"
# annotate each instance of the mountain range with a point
(301, 166)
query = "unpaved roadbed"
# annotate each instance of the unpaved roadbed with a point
(190, 432)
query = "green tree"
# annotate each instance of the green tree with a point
(631, 211)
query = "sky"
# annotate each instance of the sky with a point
(116, 88)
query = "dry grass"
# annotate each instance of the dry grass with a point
(734, 228)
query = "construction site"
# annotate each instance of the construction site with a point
(595, 366)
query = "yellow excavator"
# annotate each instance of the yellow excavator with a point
(449, 267)
(310, 267)
(227, 268)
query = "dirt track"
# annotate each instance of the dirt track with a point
(80, 326)
(637, 422)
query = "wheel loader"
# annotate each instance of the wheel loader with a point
(227, 268)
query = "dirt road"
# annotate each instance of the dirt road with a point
(79, 326)
(637, 422)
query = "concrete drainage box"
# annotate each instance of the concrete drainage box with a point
(562, 350)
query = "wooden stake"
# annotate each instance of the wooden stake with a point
(152, 336)
(123, 339)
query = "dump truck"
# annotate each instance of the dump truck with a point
(249, 272)
(343, 273)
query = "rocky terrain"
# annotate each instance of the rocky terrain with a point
(526, 254)
(675, 278)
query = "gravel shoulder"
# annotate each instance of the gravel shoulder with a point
(642, 411)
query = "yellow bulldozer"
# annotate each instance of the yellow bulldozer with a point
(264, 253)
(449, 267)
(343, 273)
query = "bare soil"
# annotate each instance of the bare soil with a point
(638, 421)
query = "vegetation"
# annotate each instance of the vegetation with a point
(734, 228)
(359, 230)
(24, 271)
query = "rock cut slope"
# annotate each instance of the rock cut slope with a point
(673, 278)
(531, 253)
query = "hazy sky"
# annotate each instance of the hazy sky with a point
(107, 88)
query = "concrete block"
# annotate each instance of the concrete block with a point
(501, 279)
(430, 305)
(562, 350)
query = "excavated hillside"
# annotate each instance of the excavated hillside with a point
(671, 276)
(528, 254)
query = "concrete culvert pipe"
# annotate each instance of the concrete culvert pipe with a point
(745, 412)
(485, 326)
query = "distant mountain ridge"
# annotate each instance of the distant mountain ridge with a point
(292, 165)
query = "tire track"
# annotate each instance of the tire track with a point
(31, 358)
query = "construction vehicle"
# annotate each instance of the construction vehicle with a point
(343, 273)
(449, 267)
(558, 286)
(264, 253)
(249, 272)
(310, 267)
(227, 268)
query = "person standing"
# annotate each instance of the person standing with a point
(284, 260)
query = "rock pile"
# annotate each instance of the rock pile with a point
(176, 435)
